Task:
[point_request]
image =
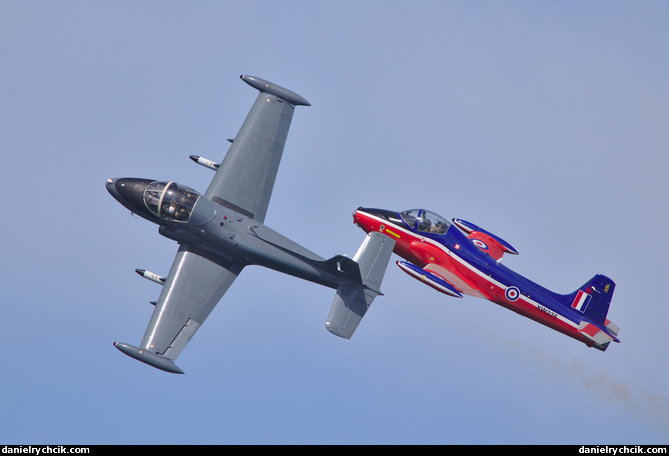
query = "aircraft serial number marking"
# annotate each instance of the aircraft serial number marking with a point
(547, 311)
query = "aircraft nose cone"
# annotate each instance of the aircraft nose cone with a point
(383, 213)
(129, 191)
(110, 185)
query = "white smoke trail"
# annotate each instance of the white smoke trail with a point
(649, 408)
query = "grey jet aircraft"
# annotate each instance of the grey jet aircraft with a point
(221, 232)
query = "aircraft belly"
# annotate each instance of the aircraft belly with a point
(508, 296)
(262, 253)
(478, 284)
(248, 242)
(535, 310)
(273, 238)
(546, 318)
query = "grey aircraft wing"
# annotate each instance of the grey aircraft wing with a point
(197, 281)
(245, 179)
(243, 182)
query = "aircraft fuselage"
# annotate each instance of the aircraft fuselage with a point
(447, 253)
(224, 232)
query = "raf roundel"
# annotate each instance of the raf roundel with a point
(512, 293)
(480, 244)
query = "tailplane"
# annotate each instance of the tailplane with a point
(354, 297)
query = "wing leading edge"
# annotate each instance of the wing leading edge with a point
(245, 179)
(197, 281)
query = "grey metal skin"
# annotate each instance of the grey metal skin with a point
(224, 233)
(220, 231)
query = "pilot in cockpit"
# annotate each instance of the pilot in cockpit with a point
(439, 227)
(424, 223)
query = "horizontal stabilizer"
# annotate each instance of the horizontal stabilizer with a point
(600, 337)
(152, 359)
(612, 328)
(352, 298)
(373, 257)
(349, 306)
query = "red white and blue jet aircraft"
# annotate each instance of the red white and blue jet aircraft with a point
(459, 258)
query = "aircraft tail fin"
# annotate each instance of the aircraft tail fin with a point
(353, 298)
(593, 300)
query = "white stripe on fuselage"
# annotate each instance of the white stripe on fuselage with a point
(472, 268)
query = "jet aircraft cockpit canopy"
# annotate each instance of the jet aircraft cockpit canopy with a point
(425, 221)
(170, 201)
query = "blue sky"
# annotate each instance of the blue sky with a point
(543, 122)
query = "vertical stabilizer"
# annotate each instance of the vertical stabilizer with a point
(592, 300)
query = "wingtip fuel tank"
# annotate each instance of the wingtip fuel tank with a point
(152, 359)
(273, 89)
